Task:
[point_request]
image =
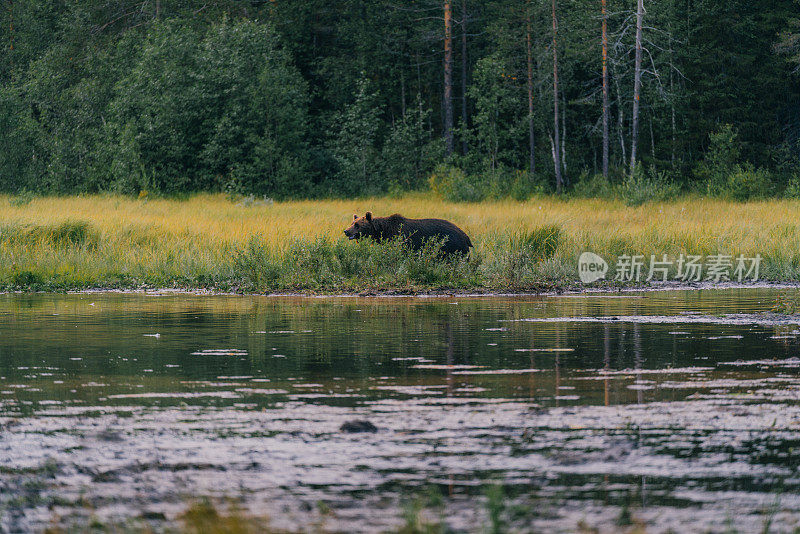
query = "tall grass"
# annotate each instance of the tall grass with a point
(211, 241)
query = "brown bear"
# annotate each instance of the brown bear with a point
(415, 231)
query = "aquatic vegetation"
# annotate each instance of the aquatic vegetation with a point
(202, 517)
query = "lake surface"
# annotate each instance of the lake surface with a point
(673, 409)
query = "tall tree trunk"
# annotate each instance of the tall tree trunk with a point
(402, 95)
(637, 83)
(531, 145)
(620, 120)
(605, 87)
(448, 77)
(11, 25)
(464, 144)
(652, 138)
(556, 141)
(672, 98)
(564, 138)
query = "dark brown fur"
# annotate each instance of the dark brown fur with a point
(416, 231)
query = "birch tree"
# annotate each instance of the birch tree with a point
(637, 82)
(448, 77)
(555, 141)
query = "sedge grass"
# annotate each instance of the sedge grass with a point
(210, 241)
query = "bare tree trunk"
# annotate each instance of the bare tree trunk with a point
(158, 8)
(464, 145)
(564, 138)
(403, 94)
(556, 149)
(620, 120)
(448, 77)
(672, 98)
(605, 87)
(637, 83)
(531, 145)
(652, 138)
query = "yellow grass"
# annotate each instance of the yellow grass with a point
(139, 235)
(214, 220)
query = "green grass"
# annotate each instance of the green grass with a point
(210, 241)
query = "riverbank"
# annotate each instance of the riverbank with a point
(210, 242)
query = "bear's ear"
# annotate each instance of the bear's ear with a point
(355, 216)
(369, 216)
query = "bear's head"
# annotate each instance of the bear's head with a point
(361, 227)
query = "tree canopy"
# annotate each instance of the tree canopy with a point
(291, 98)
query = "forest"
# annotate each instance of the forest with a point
(338, 98)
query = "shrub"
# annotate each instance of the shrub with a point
(26, 279)
(523, 250)
(594, 186)
(720, 159)
(793, 188)
(524, 187)
(746, 182)
(651, 186)
(450, 183)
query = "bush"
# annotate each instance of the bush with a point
(524, 250)
(720, 159)
(540, 243)
(450, 183)
(746, 182)
(793, 188)
(651, 186)
(349, 265)
(524, 187)
(594, 186)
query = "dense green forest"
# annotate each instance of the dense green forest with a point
(291, 98)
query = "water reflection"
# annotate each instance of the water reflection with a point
(584, 401)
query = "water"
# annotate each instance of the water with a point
(677, 410)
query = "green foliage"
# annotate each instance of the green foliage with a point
(291, 99)
(213, 110)
(496, 121)
(450, 183)
(322, 263)
(519, 256)
(792, 188)
(174, 110)
(651, 186)
(746, 182)
(593, 186)
(496, 506)
(720, 159)
(523, 186)
(722, 173)
(354, 143)
(410, 152)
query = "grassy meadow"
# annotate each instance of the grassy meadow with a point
(246, 244)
